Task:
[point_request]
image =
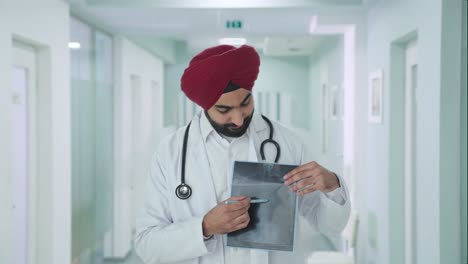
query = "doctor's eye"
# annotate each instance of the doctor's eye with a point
(223, 111)
(246, 103)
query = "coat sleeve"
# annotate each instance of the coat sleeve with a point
(327, 216)
(158, 239)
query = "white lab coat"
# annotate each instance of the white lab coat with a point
(169, 230)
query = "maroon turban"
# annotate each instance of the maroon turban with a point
(210, 72)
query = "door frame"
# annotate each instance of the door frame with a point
(22, 58)
(410, 151)
(396, 168)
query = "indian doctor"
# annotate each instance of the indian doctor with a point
(184, 217)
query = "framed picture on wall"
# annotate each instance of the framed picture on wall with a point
(375, 96)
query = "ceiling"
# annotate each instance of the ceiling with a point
(275, 27)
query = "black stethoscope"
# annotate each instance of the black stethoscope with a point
(184, 191)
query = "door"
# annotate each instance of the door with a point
(137, 144)
(23, 134)
(411, 73)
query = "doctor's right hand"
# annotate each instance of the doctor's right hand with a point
(226, 218)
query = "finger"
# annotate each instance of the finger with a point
(321, 175)
(302, 184)
(307, 166)
(304, 174)
(233, 222)
(234, 199)
(238, 198)
(236, 213)
(238, 204)
(309, 189)
(238, 208)
(243, 222)
(298, 176)
(241, 218)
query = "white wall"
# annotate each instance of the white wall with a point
(463, 135)
(129, 177)
(326, 67)
(165, 49)
(172, 75)
(437, 237)
(450, 144)
(46, 27)
(287, 75)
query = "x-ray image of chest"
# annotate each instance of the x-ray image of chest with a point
(272, 223)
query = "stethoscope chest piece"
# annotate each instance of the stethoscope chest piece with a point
(183, 191)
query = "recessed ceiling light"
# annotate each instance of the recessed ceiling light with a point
(232, 41)
(74, 45)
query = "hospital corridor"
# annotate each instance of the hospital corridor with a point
(123, 124)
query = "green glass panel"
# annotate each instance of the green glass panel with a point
(92, 140)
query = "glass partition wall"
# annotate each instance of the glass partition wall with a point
(92, 141)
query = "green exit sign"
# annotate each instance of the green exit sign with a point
(236, 24)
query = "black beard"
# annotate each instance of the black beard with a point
(230, 130)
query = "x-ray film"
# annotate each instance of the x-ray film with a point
(272, 223)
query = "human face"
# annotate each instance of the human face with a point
(232, 113)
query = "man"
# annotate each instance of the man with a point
(174, 228)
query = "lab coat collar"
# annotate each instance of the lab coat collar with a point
(258, 122)
(205, 127)
(200, 160)
(256, 126)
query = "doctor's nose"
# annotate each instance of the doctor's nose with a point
(237, 118)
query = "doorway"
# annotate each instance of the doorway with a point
(403, 152)
(411, 77)
(23, 151)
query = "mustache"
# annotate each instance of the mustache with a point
(234, 126)
(231, 129)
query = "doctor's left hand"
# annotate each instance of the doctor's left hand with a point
(311, 177)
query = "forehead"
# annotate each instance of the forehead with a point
(233, 98)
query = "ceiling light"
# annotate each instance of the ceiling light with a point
(74, 45)
(232, 41)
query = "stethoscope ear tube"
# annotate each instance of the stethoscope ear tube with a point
(262, 149)
(270, 140)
